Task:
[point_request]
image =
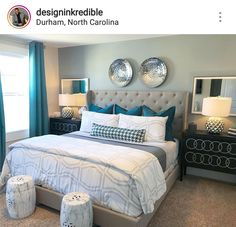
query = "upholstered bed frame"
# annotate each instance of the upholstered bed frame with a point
(156, 100)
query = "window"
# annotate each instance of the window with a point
(15, 86)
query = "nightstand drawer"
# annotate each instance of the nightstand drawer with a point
(61, 126)
(206, 145)
(210, 161)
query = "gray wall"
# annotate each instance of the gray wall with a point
(186, 56)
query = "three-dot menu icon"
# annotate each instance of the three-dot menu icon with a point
(220, 16)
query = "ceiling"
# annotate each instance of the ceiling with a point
(59, 41)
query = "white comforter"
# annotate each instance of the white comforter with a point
(124, 179)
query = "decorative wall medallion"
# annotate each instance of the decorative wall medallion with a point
(153, 72)
(120, 72)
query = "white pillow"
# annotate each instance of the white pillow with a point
(155, 126)
(88, 118)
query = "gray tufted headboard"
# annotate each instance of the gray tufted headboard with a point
(156, 100)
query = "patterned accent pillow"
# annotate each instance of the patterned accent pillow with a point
(129, 135)
(170, 113)
(155, 126)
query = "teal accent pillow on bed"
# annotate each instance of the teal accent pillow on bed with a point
(98, 109)
(170, 113)
(136, 111)
(124, 134)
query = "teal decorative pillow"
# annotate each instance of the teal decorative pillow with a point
(98, 109)
(136, 111)
(170, 113)
(124, 134)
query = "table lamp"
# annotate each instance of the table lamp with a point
(81, 101)
(67, 100)
(215, 108)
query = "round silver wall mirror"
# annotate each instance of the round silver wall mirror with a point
(153, 72)
(120, 72)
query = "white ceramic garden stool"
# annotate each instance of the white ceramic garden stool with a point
(20, 196)
(76, 210)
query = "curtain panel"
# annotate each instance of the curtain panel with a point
(38, 95)
(2, 129)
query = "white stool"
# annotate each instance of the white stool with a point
(76, 210)
(20, 196)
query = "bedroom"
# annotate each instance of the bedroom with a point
(205, 197)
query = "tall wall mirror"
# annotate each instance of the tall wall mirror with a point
(74, 86)
(213, 86)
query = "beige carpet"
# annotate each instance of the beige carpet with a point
(195, 202)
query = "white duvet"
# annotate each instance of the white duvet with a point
(124, 179)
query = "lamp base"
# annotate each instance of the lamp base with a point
(214, 125)
(83, 108)
(67, 112)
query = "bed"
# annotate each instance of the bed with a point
(106, 211)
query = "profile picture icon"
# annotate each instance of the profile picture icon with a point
(19, 16)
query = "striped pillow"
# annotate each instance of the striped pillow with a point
(124, 134)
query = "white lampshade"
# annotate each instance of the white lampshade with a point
(80, 99)
(67, 100)
(216, 106)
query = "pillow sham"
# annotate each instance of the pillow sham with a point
(98, 109)
(155, 126)
(170, 113)
(124, 134)
(88, 118)
(137, 111)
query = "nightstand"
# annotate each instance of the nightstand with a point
(215, 152)
(59, 125)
